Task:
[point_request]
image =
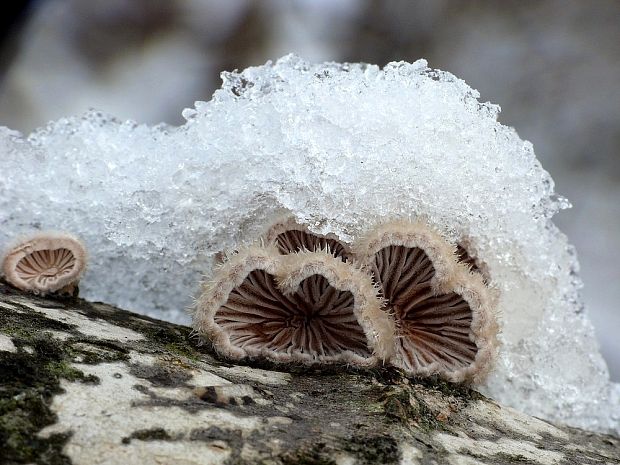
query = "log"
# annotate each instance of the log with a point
(88, 383)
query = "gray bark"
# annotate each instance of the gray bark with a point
(87, 383)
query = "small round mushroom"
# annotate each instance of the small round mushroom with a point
(290, 236)
(308, 307)
(46, 263)
(445, 322)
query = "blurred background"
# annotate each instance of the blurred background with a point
(552, 65)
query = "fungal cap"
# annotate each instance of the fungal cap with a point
(484, 327)
(48, 262)
(289, 236)
(307, 308)
(215, 292)
(444, 313)
(411, 235)
(483, 330)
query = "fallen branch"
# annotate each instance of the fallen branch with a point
(87, 383)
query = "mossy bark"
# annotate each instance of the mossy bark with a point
(89, 383)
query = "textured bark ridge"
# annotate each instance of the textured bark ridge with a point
(86, 383)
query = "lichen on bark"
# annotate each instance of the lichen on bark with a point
(88, 383)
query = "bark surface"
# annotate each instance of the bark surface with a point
(87, 383)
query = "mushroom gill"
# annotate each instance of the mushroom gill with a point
(444, 324)
(46, 263)
(316, 319)
(433, 328)
(475, 265)
(255, 307)
(463, 256)
(290, 236)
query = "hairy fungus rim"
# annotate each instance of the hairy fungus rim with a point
(215, 294)
(289, 223)
(485, 328)
(450, 276)
(289, 271)
(472, 261)
(50, 240)
(404, 233)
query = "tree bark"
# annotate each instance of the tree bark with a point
(87, 383)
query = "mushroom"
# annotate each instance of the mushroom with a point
(290, 236)
(307, 307)
(46, 263)
(445, 323)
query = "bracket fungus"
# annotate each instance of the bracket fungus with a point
(443, 312)
(46, 263)
(290, 236)
(308, 307)
(310, 298)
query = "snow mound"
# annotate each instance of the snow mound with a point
(340, 146)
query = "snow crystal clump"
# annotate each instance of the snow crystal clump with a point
(341, 147)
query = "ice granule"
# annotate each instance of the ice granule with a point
(341, 146)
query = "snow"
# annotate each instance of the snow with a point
(341, 147)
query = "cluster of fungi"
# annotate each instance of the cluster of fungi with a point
(401, 294)
(46, 263)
